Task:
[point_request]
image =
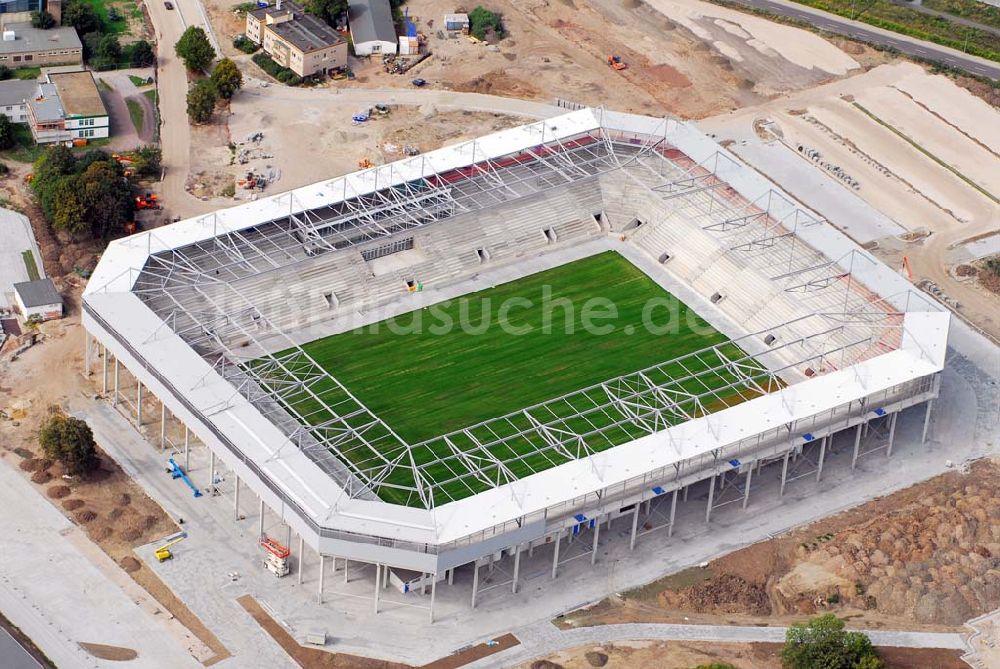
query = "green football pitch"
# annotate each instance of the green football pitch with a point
(524, 342)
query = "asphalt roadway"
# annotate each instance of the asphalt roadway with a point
(907, 45)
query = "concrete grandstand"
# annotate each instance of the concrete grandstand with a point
(212, 315)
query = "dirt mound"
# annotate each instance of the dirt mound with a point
(32, 464)
(595, 658)
(725, 593)
(58, 491)
(130, 534)
(110, 653)
(41, 476)
(72, 504)
(85, 516)
(545, 664)
(102, 533)
(124, 499)
(130, 564)
(498, 82)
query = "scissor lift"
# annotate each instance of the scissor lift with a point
(275, 556)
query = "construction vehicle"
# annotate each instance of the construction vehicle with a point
(616, 62)
(275, 556)
(176, 472)
(163, 553)
(147, 201)
(906, 268)
(365, 163)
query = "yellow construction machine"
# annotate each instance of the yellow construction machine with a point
(163, 552)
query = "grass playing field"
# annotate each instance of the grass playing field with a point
(425, 379)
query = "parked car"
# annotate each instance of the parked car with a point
(419, 82)
(168, 4)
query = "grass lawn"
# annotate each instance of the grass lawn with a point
(109, 27)
(24, 150)
(139, 81)
(424, 383)
(29, 73)
(29, 264)
(136, 113)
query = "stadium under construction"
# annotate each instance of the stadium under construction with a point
(218, 317)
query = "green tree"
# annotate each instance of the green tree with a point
(146, 161)
(70, 441)
(6, 132)
(107, 196)
(822, 643)
(80, 15)
(201, 100)
(194, 49)
(227, 78)
(142, 54)
(109, 49)
(481, 18)
(51, 166)
(5, 73)
(68, 211)
(327, 10)
(42, 20)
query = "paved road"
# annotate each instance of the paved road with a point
(908, 45)
(545, 639)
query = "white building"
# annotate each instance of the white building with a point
(372, 27)
(14, 96)
(67, 106)
(38, 300)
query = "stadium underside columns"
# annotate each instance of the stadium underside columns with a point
(892, 433)
(138, 403)
(236, 499)
(673, 513)
(86, 353)
(104, 369)
(475, 581)
(301, 560)
(117, 367)
(597, 534)
(187, 448)
(434, 580)
(322, 569)
(378, 585)
(635, 526)
(822, 455)
(784, 474)
(711, 497)
(163, 425)
(857, 445)
(746, 491)
(927, 420)
(555, 556)
(517, 568)
(211, 475)
(261, 520)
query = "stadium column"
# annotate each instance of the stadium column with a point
(302, 555)
(187, 448)
(635, 525)
(711, 498)
(86, 353)
(822, 456)
(104, 369)
(261, 522)
(378, 586)
(211, 475)
(347, 563)
(746, 491)
(927, 420)
(784, 474)
(163, 426)
(517, 568)
(236, 499)
(892, 433)
(138, 403)
(555, 556)
(115, 402)
(673, 513)
(322, 567)
(857, 445)
(597, 534)
(434, 580)
(475, 581)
